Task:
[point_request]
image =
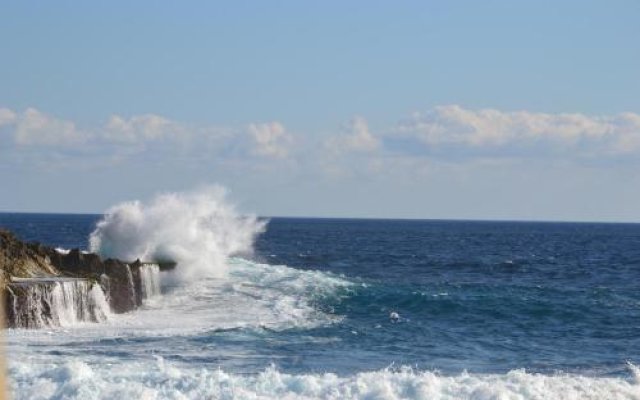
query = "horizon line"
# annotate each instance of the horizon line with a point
(498, 220)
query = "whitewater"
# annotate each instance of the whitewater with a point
(299, 309)
(126, 357)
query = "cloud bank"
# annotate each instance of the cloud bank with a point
(446, 133)
(496, 132)
(120, 138)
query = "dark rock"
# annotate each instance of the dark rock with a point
(120, 281)
(137, 280)
(34, 310)
(122, 293)
(167, 265)
(79, 264)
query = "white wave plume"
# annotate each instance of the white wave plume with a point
(198, 230)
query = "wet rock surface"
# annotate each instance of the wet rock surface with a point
(32, 302)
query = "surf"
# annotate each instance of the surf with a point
(76, 379)
(199, 230)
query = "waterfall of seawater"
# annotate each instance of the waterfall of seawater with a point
(131, 285)
(57, 302)
(42, 302)
(150, 280)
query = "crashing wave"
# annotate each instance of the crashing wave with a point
(199, 230)
(77, 380)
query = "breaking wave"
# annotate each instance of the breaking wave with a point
(252, 296)
(160, 379)
(199, 230)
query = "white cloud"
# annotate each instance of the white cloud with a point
(124, 137)
(269, 139)
(7, 117)
(34, 128)
(139, 128)
(357, 138)
(628, 128)
(444, 134)
(453, 126)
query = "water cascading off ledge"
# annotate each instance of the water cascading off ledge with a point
(45, 287)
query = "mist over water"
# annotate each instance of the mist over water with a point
(199, 230)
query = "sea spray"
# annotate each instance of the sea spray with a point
(199, 230)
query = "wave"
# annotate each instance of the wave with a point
(199, 230)
(251, 296)
(76, 379)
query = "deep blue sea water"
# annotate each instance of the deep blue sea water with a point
(476, 302)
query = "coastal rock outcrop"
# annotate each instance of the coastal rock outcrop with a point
(121, 286)
(23, 260)
(43, 286)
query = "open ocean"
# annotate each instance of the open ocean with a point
(483, 310)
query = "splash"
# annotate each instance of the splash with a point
(199, 230)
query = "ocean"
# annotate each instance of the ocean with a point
(358, 309)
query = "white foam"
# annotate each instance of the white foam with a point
(251, 296)
(158, 379)
(64, 251)
(199, 230)
(150, 280)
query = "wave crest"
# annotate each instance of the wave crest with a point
(199, 230)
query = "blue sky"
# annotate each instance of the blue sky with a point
(462, 109)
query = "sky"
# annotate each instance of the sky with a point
(524, 110)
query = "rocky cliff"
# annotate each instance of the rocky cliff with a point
(44, 286)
